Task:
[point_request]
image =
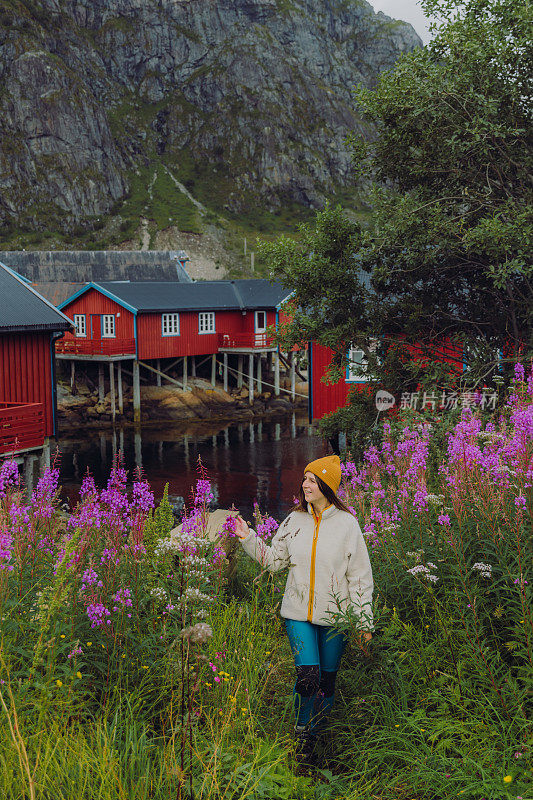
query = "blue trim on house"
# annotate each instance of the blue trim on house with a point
(285, 299)
(105, 292)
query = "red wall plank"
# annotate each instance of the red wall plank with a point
(26, 372)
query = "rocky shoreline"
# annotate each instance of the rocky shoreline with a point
(81, 407)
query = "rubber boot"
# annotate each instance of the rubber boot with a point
(305, 747)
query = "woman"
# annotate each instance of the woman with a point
(322, 543)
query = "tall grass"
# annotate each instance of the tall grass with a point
(131, 668)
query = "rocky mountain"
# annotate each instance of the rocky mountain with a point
(239, 102)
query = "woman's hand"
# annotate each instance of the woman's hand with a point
(241, 528)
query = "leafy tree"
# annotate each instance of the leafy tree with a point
(448, 254)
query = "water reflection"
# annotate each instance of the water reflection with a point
(261, 460)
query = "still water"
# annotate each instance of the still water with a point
(260, 460)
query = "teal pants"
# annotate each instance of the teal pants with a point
(317, 651)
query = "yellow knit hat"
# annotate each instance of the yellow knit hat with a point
(328, 469)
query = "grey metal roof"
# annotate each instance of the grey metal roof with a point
(23, 309)
(260, 293)
(155, 296)
(82, 266)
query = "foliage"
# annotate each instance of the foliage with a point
(445, 268)
(438, 706)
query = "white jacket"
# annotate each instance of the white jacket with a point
(327, 557)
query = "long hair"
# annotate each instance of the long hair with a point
(328, 493)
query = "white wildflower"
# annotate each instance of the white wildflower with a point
(485, 570)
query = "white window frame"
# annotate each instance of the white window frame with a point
(80, 324)
(170, 324)
(108, 326)
(206, 322)
(360, 360)
(257, 328)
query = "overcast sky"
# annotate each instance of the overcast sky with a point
(408, 10)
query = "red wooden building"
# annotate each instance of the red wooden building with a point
(326, 398)
(156, 325)
(29, 328)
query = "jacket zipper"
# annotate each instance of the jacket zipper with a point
(312, 573)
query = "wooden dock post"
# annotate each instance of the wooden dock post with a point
(251, 378)
(136, 392)
(112, 390)
(120, 392)
(101, 390)
(293, 377)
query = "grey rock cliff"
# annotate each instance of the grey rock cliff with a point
(259, 91)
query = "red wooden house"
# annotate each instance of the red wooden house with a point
(157, 324)
(326, 398)
(29, 327)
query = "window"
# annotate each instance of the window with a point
(108, 326)
(357, 363)
(206, 322)
(170, 324)
(260, 321)
(80, 325)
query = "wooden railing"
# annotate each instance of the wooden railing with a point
(21, 426)
(244, 340)
(95, 347)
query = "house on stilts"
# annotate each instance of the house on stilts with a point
(30, 326)
(161, 326)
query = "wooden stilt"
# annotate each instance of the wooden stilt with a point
(158, 373)
(185, 373)
(240, 361)
(101, 391)
(293, 377)
(193, 367)
(136, 392)
(276, 374)
(259, 374)
(251, 378)
(120, 392)
(213, 369)
(72, 373)
(112, 390)
(225, 372)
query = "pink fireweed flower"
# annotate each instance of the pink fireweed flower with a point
(520, 502)
(9, 477)
(203, 494)
(266, 527)
(519, 372)
(123, 599)
(6, 548)
(44, 494)
(76, 651)
(90, 578)
(444, 519)
(98, 614)
(143, 498)
(229, 525)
